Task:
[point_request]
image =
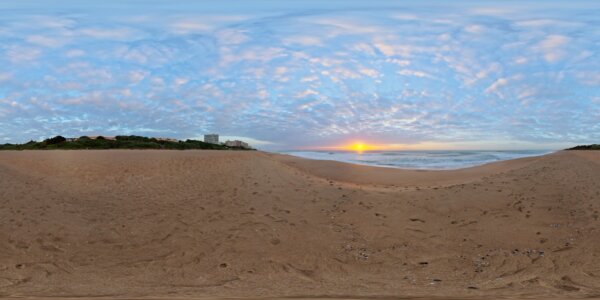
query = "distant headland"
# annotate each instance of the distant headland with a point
(586, 147)
(124, 142)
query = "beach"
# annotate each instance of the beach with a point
(201, 223)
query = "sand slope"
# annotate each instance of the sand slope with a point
(217, 223)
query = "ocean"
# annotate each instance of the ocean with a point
(422, 160)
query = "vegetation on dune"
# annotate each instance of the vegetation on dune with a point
(120, 142)
(586, 147)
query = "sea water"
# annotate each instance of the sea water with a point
(424, 160)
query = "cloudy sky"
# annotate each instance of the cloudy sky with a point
(303, 74)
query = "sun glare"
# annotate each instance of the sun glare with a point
(358, 147)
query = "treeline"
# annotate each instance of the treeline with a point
(120, 142)
(586, 147)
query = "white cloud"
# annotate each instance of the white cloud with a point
(19, 54)
(231, 37)
(281, 70)
(444, 37)
(416, 73)
(304, 40)
(190, 26)
(400, 62)
(552, 47)
(262, 94)
(309, 105)
(180, 81)
(109, 34)
(280, 74)
(309, 78)
(496, 85)
(590, 78)
(5, 76)
(475, 29)
(363, 48)
(211, 90)
(126, 92)
(53, 22)
(369, 72)
(483, 73)
(406, 17)
(344, 73)
(386, 49)
(137, 76)
(526, 93)
(493, 11)
(536, 23)
(75, 53)
(45, 41)
(520, 60)
(260, 54)
(340, 26)
(326, 61)
(306, 93)
(553, 41)
(396, 49)
(203, 23)
(157, 81)
(585, 54)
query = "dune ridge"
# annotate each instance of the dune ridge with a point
(193, 224)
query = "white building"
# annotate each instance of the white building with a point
(211, 138)
(111, 138)
(168, 139)
(238, 144)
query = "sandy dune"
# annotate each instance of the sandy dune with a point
(231, 224)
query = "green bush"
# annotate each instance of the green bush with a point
(586, 147)
(55, 140)
(120, 142)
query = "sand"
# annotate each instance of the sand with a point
(194, 224)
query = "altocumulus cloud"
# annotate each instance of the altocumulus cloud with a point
(303, 74)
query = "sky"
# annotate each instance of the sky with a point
(304, 74)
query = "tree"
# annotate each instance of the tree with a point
(55, 140)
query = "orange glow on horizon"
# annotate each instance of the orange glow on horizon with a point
(361, 147)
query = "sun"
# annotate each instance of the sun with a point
(358, 147)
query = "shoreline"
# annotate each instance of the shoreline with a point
(380, 175)
(546, 152)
